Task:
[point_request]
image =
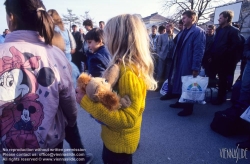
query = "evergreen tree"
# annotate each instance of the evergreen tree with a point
(71, 18)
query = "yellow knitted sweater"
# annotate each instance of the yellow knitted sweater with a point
(121, 134)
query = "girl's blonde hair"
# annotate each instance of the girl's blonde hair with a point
(56, 18)
(127, 39)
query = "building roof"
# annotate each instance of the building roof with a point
(157, 20)
(138, 15)
(154, 16)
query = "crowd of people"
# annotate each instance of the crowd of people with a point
(41, 60)
(216, 50)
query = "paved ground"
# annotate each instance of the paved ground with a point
(167, 138)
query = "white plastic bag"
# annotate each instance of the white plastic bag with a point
(193, 89)
(246, 115)
(164, 88)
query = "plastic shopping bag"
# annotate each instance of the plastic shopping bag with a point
(164, 88)
(246, 115)
(193, 89)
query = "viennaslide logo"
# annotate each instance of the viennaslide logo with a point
(234, 153)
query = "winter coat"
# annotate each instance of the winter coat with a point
(98, 61)
(37, 98)
(189, 57)
(165, 46)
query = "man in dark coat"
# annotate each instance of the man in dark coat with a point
(180, 27)
(78, 56)
(240, 49)
(188, 53)
(224, 52)
(206, 61)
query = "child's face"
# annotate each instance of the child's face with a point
(88, 28)
(101, 25)
(93, 45)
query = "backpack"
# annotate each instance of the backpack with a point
(228, 122)
(211, 94)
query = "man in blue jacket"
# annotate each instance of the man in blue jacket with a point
(188, 54)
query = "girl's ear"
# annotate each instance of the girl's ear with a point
(11, 21)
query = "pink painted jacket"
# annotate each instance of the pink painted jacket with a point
(37, 98)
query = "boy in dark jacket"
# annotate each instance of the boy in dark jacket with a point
(98, 57)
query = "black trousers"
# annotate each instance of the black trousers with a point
(74, 139)
(186, 106)
(209, 70)
(223, 69)
(110, 157)
(77, 58)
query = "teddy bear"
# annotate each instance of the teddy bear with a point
(100, 89)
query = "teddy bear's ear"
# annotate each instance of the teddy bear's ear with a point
(83, 80)
(112, 74)
(109, 99)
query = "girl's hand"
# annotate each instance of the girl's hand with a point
(79, 95)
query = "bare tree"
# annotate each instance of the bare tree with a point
(86, 16)
(201, 7)
(245, 13)
(71, 18)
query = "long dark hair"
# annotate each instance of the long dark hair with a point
(31, 15)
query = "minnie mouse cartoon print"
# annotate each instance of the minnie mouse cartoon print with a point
(21, 112)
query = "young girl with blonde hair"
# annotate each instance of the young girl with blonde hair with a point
(126, 39)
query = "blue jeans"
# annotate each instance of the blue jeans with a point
(68, 56)
(245, 85)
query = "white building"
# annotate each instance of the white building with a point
(158, 20)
